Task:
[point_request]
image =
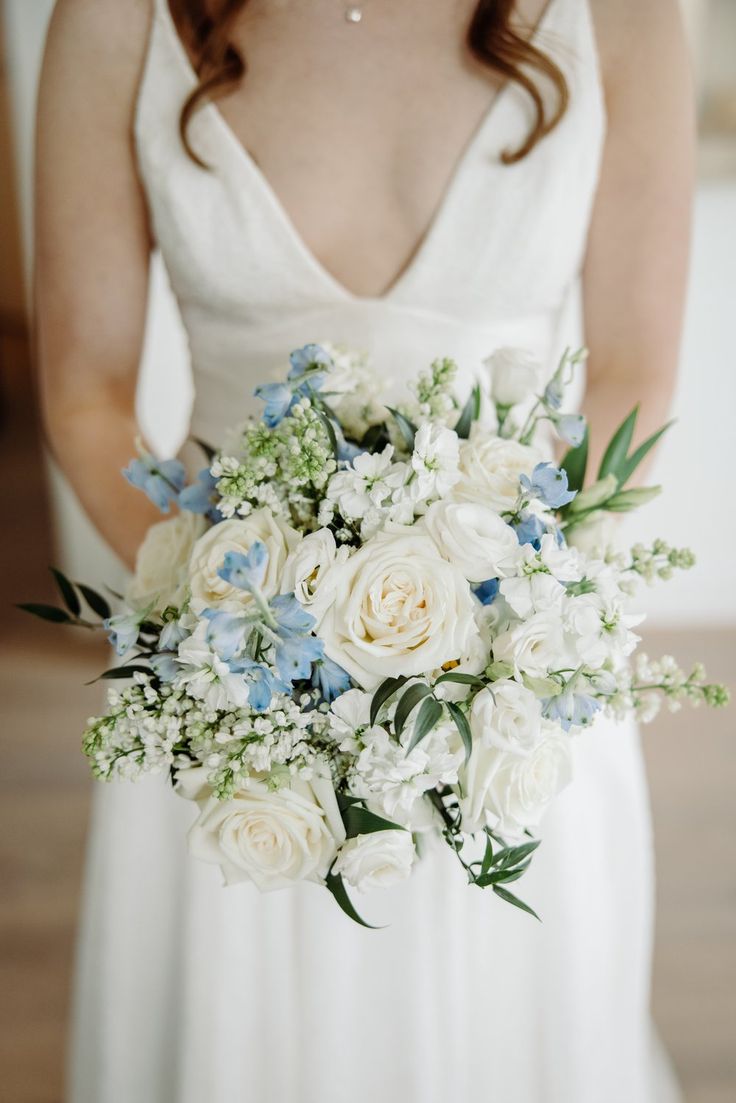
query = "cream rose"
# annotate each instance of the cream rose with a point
(515, 375)
(534, 646)
(376, 861)
(399, 608)
(273, 838)
(306, 568)
(490, 468)
(506, 715)
(509, 790)
(161, 565)
(474, 538)
(208, 554)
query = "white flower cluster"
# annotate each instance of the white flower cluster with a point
(381, 623)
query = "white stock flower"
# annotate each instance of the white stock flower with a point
(273, 838)
(533, 593)
(366, 484)
(399, 608)
(507, 716)
(306, 568)
(161, 566)
(376, 861)
(435, 460)
(208, 554)
(490, 469)
(511, 791)
(534, 646)
(515, 375)
(474, 538)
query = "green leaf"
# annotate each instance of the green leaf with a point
(116, 672)
(46, 612)
(374, 438)
(632, 499)
(329, 429)
(96, 602)
(385, 691)
(575, 464)
(499, 669)
(595, 495)
(409, 701)
(487, 857)
(208, 450)
(359, 820)
(636, 457)
(511, 899)
(407, 428)
(615, 455)
(469, 413)
(460, 678)
(334, 883)
(462, 725)
(428, 715)
(67, 592)
(516, 854)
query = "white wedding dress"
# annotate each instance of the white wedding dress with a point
(188, 992)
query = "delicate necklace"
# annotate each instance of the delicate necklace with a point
(353, 14)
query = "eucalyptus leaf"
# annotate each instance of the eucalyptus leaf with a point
(334, 883)
(462, 725)
(409, 700)
(407, 427)
(46, 612)
(384, 692)
(516, 854)
(487, 857)
(615, 455)
(67, 591)
(460, 678)
(511, 899)
(470, 413)
(429, 713)
(359, 820)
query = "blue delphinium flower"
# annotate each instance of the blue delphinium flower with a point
(123, 630)
(308, 359)
(549, 484)
(160, 480)
(199, 496)
(279, 399)
(554, 393)
(245, 571)
(330, 679)
(291, 618)
(530, 531)
(165, 665)
(172, 635)
(227, 633)
(262, 682)
(487, 591)
(571, 428)
(294, 657)
(571, 709)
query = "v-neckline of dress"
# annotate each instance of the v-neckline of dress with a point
(292, 235)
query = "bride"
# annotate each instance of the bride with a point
(415, 178)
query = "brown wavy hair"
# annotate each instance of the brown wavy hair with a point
(205, 25)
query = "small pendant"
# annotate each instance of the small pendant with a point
(353, 15)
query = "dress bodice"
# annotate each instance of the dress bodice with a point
(499, 264)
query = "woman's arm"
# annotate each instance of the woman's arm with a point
(92, 256)
(637, 260)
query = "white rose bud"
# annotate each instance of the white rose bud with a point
(376, 861)
(161, 566)
(307, 571)
(515, 375)
(474, 538)
(490, 468)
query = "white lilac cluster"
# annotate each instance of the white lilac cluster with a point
(371, 623)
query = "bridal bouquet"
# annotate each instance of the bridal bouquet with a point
(366, 625)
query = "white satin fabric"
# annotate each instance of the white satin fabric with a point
(188, 992)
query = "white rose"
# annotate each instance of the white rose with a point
(208, 554)
(305, 570)
(490, 469)
(376, 861)
(510, 791)
(161, 565)
(534, 646)
(474, 538)
(506, 715)
(273, 838)
(399, 608)
(515, 375)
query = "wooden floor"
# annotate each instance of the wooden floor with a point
(44, 795)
